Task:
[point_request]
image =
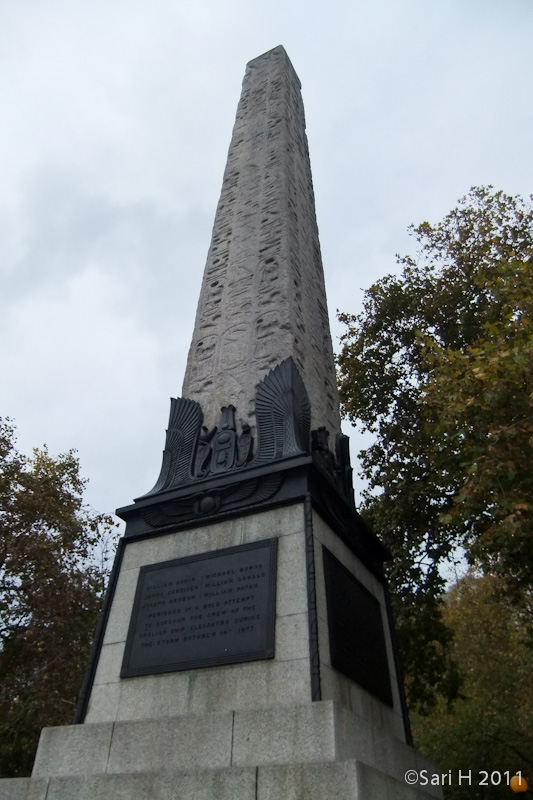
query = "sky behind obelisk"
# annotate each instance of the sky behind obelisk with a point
(116, 119)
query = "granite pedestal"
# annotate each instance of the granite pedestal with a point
(244, 730)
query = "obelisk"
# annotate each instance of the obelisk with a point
(245, 648)
(263, 296)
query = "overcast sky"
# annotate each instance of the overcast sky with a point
(116, 120)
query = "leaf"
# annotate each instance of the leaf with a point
(50, 593)
(439, 369)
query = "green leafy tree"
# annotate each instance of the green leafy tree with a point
(438, 366)
(489, 729)
(53, 554)
(481, 404)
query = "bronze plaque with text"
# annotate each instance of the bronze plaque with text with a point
(356, 634)
(203, 610)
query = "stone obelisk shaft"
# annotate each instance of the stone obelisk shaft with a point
(263, 297)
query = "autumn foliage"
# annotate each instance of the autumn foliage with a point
(53, 564)
(488, 731)
(439, 367)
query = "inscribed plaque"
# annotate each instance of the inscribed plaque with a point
(204, 610)
(356, 635)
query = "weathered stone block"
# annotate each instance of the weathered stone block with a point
(366, 706)
(104, 703)
(374, 783)
(222, 784)
(119, 617)
(320, 781)
(153, 696)
(147, 551)
(344, 780)
(289, 683)
(23, 789)
(392, 756)
(353, 737)
(201, 539)
(278, 522)
(171, 744)
(73, 750)
(230, 687)
(284, 735)
(109, 663)
(292, 579)
(292, 637)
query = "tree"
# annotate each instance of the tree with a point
(481, 404)
(438, 366)
(51, 587)
(490, 727)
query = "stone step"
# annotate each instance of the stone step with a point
(343, 780)
(315, 732)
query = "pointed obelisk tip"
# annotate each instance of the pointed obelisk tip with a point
(271, 57)
(279, 50)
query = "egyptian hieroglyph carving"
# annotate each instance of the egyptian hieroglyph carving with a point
(263, 297)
